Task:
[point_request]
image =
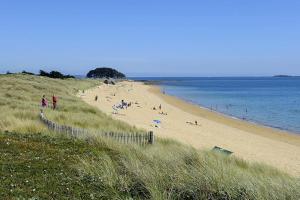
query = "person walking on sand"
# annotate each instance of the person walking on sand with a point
(54, 101)
(96, 98)
(159, 106)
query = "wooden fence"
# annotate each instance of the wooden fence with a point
(125, 138)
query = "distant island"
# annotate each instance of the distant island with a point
(282, 75)
(105, 72)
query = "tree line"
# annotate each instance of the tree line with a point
(102, 72)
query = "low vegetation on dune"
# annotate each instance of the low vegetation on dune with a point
(39, 165)
(57, 167)
(20, 102)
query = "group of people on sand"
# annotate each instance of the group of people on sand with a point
(44, 102)
(125, 104)
(159, 108)
(122, 105)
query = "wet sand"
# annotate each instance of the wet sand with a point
(249, 141)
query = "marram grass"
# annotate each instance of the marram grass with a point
(39, 165)
(20, 100)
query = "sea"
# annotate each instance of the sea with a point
(270, 101)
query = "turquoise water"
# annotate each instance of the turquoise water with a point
(271, 101)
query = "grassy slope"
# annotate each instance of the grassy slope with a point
(20, 97)
(52, 166)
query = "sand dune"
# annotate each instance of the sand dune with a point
(248, 141)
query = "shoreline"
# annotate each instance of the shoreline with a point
(249, 141)
(220, 117)
(287, 131)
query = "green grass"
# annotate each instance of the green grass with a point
(57, 167)
(20, 97)
(39, 164)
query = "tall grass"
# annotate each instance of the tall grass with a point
(169, 170)
(109, 170)
(20, 97)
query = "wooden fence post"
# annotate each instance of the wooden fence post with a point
(140, 140)
(130, 138)
(151, 137)
(134, 137)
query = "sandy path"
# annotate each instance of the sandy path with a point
(246, 140)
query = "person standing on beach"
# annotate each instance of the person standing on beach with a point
(54, 101)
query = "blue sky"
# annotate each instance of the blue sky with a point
(152, 38)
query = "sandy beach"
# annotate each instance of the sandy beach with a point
(249, 141)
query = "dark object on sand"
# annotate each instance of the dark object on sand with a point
(221, 150)
(163, 113)
(109, 81)
(191, 123)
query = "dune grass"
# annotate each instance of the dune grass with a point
(170, 170)
(56, 167)
(20, 97)
(39, 165)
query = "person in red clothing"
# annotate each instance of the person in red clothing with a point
(54, 101)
